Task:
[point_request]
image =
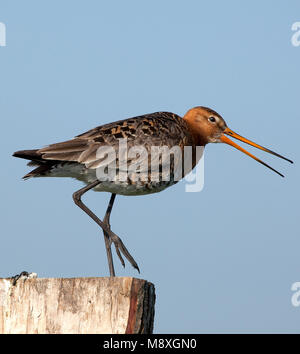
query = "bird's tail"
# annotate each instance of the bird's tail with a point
(36, 159)
(28, 155)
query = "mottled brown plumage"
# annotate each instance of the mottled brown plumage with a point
(156, 129)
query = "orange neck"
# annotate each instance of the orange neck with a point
(198, 136)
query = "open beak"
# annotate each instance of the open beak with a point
(225, 139)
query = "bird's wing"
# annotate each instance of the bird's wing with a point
(156, 129)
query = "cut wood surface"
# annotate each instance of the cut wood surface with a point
(77, 305)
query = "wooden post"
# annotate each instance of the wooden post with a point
(76, 305)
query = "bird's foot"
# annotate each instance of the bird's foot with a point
(23, 275)
(120, 248)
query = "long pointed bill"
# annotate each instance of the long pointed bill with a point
(226, 140)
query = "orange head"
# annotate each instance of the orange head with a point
(207, 126)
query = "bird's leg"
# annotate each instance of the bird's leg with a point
(112, 236)
(107, 238)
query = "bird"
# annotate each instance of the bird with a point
(79, 158)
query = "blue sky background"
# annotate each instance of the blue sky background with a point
(222, 260)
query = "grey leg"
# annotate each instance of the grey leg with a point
(108, 234)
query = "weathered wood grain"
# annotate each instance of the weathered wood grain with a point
(77, 305)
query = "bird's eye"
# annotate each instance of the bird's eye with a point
(212, 119)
